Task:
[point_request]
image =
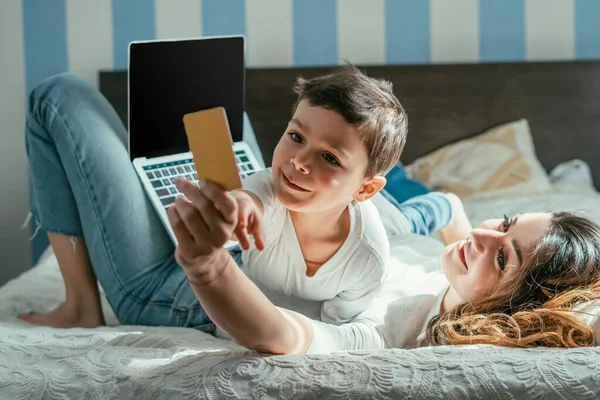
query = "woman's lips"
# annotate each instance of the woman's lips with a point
(461, 253)
(292, 185)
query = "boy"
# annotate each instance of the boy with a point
(324, 238)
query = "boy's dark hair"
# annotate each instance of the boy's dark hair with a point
(368, 104)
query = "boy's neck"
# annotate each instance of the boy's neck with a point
(322, 224)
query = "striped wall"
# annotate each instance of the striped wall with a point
(43, 37)
(84, 35)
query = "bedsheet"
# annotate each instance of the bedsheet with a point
(160, 362)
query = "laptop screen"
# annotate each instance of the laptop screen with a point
(168, 79)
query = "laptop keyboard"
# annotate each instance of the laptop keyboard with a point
(162, 176)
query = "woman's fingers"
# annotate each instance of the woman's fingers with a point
(186, 242)
(214, 215)
(223, 200)
(216, 196)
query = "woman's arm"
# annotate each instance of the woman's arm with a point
(202, 224)
(237, 306)
(203, 221)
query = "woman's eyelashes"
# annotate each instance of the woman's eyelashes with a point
(505, 224)
(501, 258)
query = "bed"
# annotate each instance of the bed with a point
(558, 103)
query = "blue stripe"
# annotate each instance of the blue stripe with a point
(501, 30)
(132, 20)
(407, 33)
(45, 39)
(45, 43)
(224, 17)
(315, 32)
(587, 29)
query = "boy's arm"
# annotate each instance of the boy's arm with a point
(459, 226)
(255, 196)
(250, 215)
(437, 211)
(244, 194)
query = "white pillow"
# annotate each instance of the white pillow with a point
(498, 162)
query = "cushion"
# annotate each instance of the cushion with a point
(498, 162)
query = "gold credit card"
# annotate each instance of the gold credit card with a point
(210, 143)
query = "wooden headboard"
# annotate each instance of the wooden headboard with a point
(446, 103)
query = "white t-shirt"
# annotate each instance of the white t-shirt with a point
(346, 284)
(411, 296)
(404, 327)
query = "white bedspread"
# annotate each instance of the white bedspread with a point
(145, 362)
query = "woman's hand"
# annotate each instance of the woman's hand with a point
(203, 221)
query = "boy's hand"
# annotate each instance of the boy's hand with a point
(460, 227)
(203, 221)
(249, 221)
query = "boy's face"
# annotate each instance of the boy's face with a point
(319, 162)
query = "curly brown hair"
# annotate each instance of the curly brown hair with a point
(367, 103)
(536, 306)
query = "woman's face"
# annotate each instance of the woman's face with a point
(492, 252)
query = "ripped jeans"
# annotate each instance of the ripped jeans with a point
(84, 185)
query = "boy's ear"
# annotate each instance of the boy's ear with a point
(370, 188)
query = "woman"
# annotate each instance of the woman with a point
(83, 186)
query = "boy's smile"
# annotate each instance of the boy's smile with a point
(319, 162)
(290, 184)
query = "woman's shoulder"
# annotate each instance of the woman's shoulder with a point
(398, 324)
(407, 318)
(413, 288)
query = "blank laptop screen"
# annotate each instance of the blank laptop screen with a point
(170, 79)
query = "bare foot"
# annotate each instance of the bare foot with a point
(66, 316)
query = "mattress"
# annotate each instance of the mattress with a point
(161, 362)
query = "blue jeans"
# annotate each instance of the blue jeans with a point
(426, 213)
(84, 185)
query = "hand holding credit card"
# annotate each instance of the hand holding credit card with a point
(210, 143)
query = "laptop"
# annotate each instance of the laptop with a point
(166, 80)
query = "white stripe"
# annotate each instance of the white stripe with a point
(269, 33)
(454, 28)
(361, 31)
(178, 19)
(89, 37)
(549, 29)
(13, 162)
